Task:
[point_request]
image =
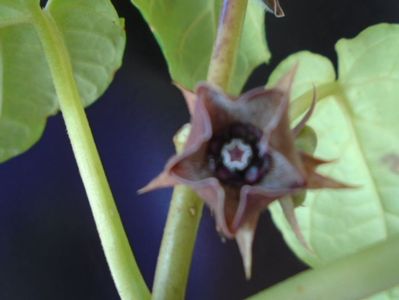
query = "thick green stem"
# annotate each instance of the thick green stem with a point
(227, 42)
(178, 239)
(125, 272)
(355, 277)
(177, 244)
(186, 208)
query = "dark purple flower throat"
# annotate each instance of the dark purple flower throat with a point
(237, 156)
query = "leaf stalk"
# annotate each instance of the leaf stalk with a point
(227, 42)
(121, 261)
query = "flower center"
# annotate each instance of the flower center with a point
(236, 155)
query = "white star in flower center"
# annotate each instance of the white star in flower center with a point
(236, 155)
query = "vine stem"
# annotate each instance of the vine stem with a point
(357, 276)
(179, 237)
(186, 208)
(124, 269)
(227, 42)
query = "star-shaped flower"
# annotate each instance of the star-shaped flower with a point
(240, 157)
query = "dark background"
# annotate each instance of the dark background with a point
(49, 248)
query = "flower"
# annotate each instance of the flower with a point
(274, 7)
(240, 157)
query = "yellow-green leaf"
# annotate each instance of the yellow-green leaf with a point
(357, 124)
(95, 39)
(186, 29)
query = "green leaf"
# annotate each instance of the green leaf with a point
(356, 123)
(186, 29)
(95, 40)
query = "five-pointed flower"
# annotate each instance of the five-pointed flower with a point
(240, 156)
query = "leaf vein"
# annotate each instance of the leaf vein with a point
(346, 110)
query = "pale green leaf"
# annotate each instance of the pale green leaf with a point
(356, 123)
(95, 40)
(313, 70)
(186, 29)
(14, 11)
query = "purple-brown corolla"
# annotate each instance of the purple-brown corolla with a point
(240, 156)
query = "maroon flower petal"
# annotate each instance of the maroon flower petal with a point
(261, 107)
(315, 180)
(221, 109)
(189, 166)
(281, 136)
(161, 181)
(253, 200)
(283, 175)
(226, 211)
(245, 221)
(278, 169)
(215, 197)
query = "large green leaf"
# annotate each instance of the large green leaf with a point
(186, 29)
(95, 40)
(357, 123)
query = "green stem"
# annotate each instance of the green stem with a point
(178, 239)
(227, 42)
(186, 208)
(177, 245)
(354, 277)
(121, 261)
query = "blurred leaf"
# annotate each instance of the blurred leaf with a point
(356, 123)
(313, 70)
(95, 39)
(186, 29)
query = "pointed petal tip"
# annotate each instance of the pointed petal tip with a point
(280, 15)
(248, 274)
(279, 12)
(161, 181)
(274, 7)
(318, 181)
(244, 238)
(288, 208)
(147, 188)
(141, 191)
(287, 80)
